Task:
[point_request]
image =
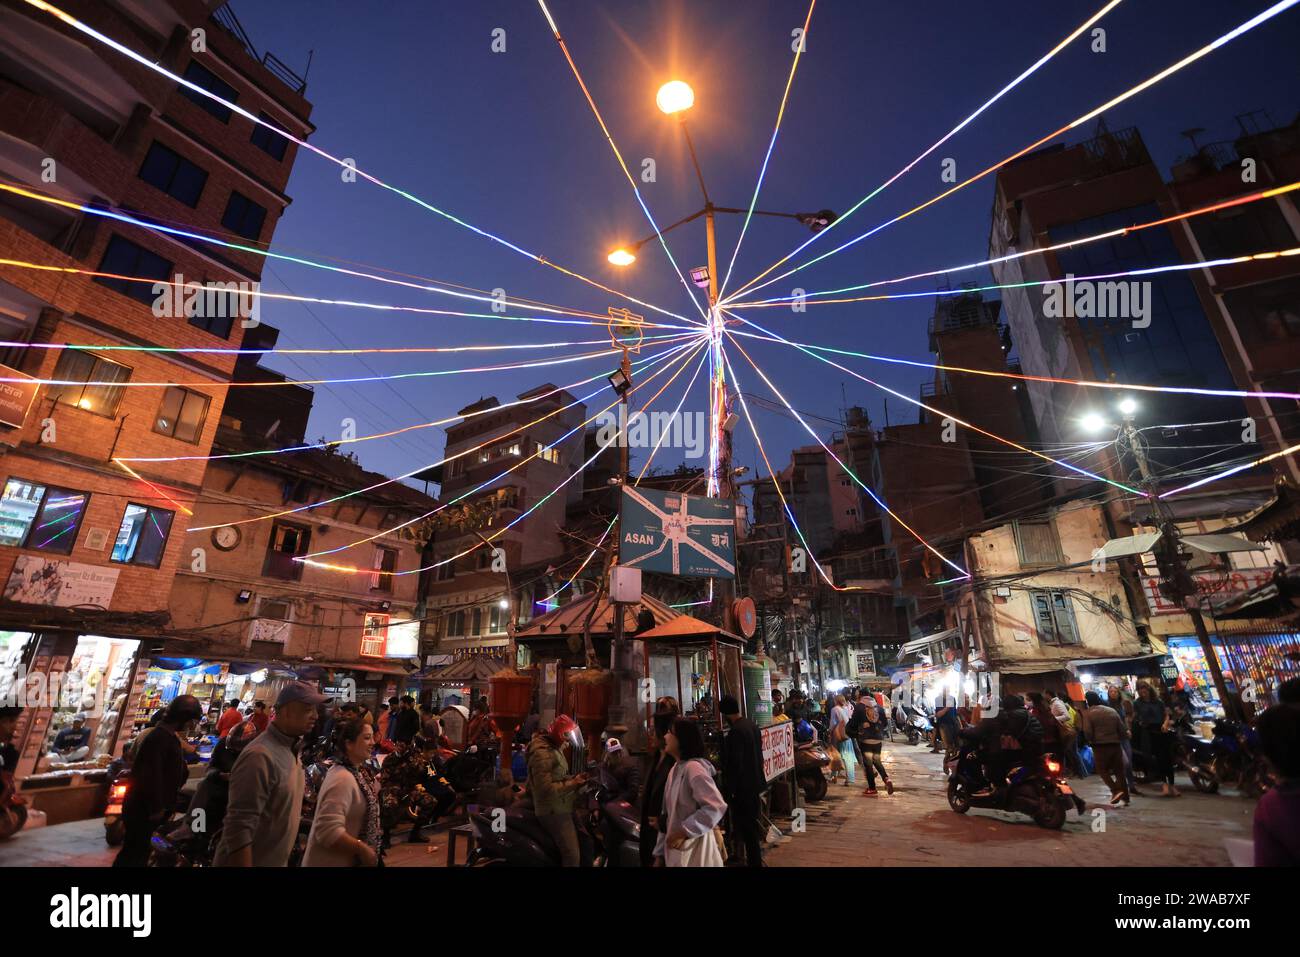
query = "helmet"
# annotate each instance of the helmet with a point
(803, 731)
(562, 726)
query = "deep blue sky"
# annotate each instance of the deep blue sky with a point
(506, 141)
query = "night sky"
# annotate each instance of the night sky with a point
(506, 141)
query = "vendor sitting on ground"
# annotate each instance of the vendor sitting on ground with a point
(71, 744)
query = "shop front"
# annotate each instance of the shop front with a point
(1254, 664)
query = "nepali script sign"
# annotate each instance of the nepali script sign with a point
(686, 535)
(778, 749)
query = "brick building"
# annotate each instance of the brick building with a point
(87, 551)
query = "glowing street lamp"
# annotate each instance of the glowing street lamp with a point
(622, 257)
(675, 96)
(1093, 422)
(1127, 406)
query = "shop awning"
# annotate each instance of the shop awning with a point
(916, 645)
(470, 669)
(1107, 667)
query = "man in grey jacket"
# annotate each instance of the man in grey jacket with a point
(1106, 732)
(266, 786)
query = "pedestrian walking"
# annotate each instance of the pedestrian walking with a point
(946, 723)
(1152, 719)
(1124, 708)
(840, 716)
(230, 719)
(693, 805)
(1062, 714)
(743, 781)
(871, 742)
(259, 717)
(1105, 729)
(345, 831)
(266, 785)
(654, 777)
(1277, 815)
(158, 772)
(406, 725)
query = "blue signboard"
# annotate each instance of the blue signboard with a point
(686, 535)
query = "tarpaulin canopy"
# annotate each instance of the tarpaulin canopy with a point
(1212, 543)
(1107, 667)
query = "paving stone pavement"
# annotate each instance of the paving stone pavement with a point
(915, 826)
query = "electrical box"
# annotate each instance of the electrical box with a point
(624, 584)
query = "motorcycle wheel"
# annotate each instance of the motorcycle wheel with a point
(1051, 816)
(115, 833)
(1203, 781)
(958, 797)
(815, 787)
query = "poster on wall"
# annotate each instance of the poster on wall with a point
(864, 661)
(46, 581)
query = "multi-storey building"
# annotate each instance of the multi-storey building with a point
(88, 550)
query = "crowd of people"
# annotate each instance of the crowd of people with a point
(687, 788)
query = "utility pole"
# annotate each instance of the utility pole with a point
(621, 693)
(1178, 581)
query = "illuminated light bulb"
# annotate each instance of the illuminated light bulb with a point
(503, 603)
(1092, 422)
(1128, 406)
(675, 96)
(84, 404)
(622, 257)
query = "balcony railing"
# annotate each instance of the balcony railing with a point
(225, 18)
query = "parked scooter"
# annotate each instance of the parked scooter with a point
(1236, 761)
(811, 758)
(617, 821)
(1035, 788)
(119, 785)
(913, 722)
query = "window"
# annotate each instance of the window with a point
(1054, 616)
(268, 141)
(497, 620)
(547, 454)
(125, 258)
(181, 414)
(173, 174)
(384, 564)
(455, 624)
(75, 366)
(243, 216)
(1036, 543)
(142, 535)
(445, 573)
(41, 517)
(374, 635)
(200, 75)
(287, 542)
(476, 625)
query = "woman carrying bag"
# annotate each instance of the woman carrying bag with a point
(693, 804)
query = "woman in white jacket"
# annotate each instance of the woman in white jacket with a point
(345, 831)
(692, 803)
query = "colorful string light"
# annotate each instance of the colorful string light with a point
(762, 172)
(948, 415)
(352, 569)
(645, 363)
(1040, 250)
(1042, 61)
(1231, 471)
(346, 164)
(848, 471)
(1277, 8)
(609, 138)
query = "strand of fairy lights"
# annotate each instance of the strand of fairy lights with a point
(389, 481)
(762, 172)
(1040, 250)
(848, 471)
(1232, 471)
(350, 303)
(640, 475)
(609, 138)
(488, 482)
(352, 569)
(1042, 61)
(1029, 284)
(381, 435)
(1273, 11)
(299, 260)
(344, 164)
(947, 415)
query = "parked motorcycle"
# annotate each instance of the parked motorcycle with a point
(1235, 760)
(617, 821)
(913, 722)
(811, 758)
(1035, 788)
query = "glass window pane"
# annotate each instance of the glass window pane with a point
(128, 533)
(193, 411)
(18, 507)
(55, 528)
(153, 538)
(170, 410)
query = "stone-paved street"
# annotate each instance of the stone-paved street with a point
(915, 826)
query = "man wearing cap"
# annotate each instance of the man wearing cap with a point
(266, 785)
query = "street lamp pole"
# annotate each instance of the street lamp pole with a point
(1170, 560)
